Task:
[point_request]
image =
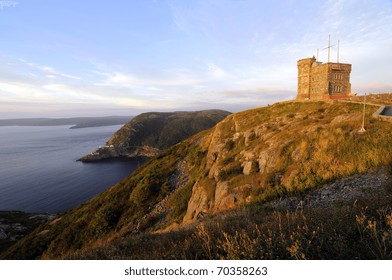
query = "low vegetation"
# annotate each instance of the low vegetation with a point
(361, 229)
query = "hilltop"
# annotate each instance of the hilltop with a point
(373, 98)
(149, 133)
(256, 185)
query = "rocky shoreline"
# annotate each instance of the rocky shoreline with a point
(16, 224)
(110, 152)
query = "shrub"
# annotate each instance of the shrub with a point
(105, 219)
(179, 202)
(225, 175)
(229, 145)
(252, 136)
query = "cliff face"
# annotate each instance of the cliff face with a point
(149, 133)
(264, 154)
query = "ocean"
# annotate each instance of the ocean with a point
(39, 171)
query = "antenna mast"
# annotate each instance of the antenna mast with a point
(338, 52)
(329, 45)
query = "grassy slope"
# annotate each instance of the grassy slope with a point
(308, 143)
(162, 130)
(359, 230)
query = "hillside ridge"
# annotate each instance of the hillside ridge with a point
(256, 156)
(149, 133)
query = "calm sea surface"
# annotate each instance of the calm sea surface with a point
(39, 172)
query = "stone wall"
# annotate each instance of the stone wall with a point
(318, 80)
(339, 78)
(304, 70)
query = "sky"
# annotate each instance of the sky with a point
(125, 57)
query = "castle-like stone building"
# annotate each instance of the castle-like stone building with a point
(318, 80)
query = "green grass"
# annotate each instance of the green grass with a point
(179, 202)
(162, 130)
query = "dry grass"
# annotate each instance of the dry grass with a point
(374, 98)
(361, 230)
(356, 230)
(310, 152)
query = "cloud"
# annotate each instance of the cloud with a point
(169, 78)
(216, 72)
(56, 73)
(257, 93)
(52, 73)
(175, 79)
(374, 87)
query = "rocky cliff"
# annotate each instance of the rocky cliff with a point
(283, 151)
(149, 133)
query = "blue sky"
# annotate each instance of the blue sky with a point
(78, 58)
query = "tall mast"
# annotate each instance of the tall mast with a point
(362, 130)
(338, 52)
(329, 46)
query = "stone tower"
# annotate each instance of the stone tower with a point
(318, 80)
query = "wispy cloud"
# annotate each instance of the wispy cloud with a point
(216, 72)
(50, 71)
(178, 77)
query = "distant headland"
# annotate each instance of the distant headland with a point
(79, 122)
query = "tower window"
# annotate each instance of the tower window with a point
(337, 88)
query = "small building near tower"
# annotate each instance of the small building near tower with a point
(323, 81)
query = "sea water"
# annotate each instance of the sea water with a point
(39, 171)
